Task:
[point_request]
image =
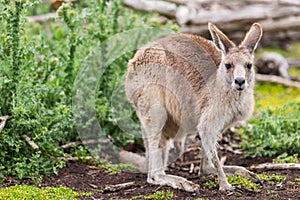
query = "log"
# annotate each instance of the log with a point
(272, 63)
(162, 7)
(280, 19)
(278, 80)
(295, 62)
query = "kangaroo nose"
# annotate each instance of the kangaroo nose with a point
(239, 81)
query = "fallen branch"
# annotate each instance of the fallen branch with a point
(276, 166)
(277, 79)
(295, 62)
(77, 158)
(87, 142)
(30, 142)
(162, 7)
(3, 122)
(114, 188)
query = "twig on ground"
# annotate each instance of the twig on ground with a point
(277, 79)
(3, 121)
(86, 142)
(276, 166)
(114, 188)
(30, 142)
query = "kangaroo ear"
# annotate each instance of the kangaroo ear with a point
(252, 37)
(220, 39)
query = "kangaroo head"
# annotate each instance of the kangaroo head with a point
(236, 66)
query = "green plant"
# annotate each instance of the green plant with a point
(284, 158)
(234, 180)
(272, 179)
(210, 184)
(243, 183)
(38, 66)
(160, 195)
(32, 192)
(275, 132)
(114, 169)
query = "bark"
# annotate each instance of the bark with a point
(278, 80)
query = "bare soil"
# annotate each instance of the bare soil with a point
(87, 177)
(84, 177)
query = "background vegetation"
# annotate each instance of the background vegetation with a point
(38, 65)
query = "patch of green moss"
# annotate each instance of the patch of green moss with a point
(31, 192)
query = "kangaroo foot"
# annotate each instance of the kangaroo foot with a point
(175, 182)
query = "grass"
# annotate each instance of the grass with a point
(268, 95)
(25, 192)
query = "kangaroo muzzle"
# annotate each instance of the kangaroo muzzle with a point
(239, 78)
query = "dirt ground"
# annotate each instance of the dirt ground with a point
(84, 177)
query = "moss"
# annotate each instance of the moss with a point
(159, 195)
(32, 192)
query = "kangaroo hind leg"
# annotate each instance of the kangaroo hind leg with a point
(153, 122)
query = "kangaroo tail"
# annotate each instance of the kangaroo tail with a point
(134, 159)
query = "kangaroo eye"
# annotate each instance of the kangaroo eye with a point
(228, 65)
(249, 65)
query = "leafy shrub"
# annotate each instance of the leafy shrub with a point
(275, 132)
(38, 66)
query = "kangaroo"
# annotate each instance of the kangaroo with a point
(185, 84)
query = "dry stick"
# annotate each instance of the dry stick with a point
(114, 188)
(277, 79)
(3, 121)
(77, 158)
(86, 142)
(276, 166)
(30, 142)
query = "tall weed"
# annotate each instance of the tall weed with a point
(38, 65)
